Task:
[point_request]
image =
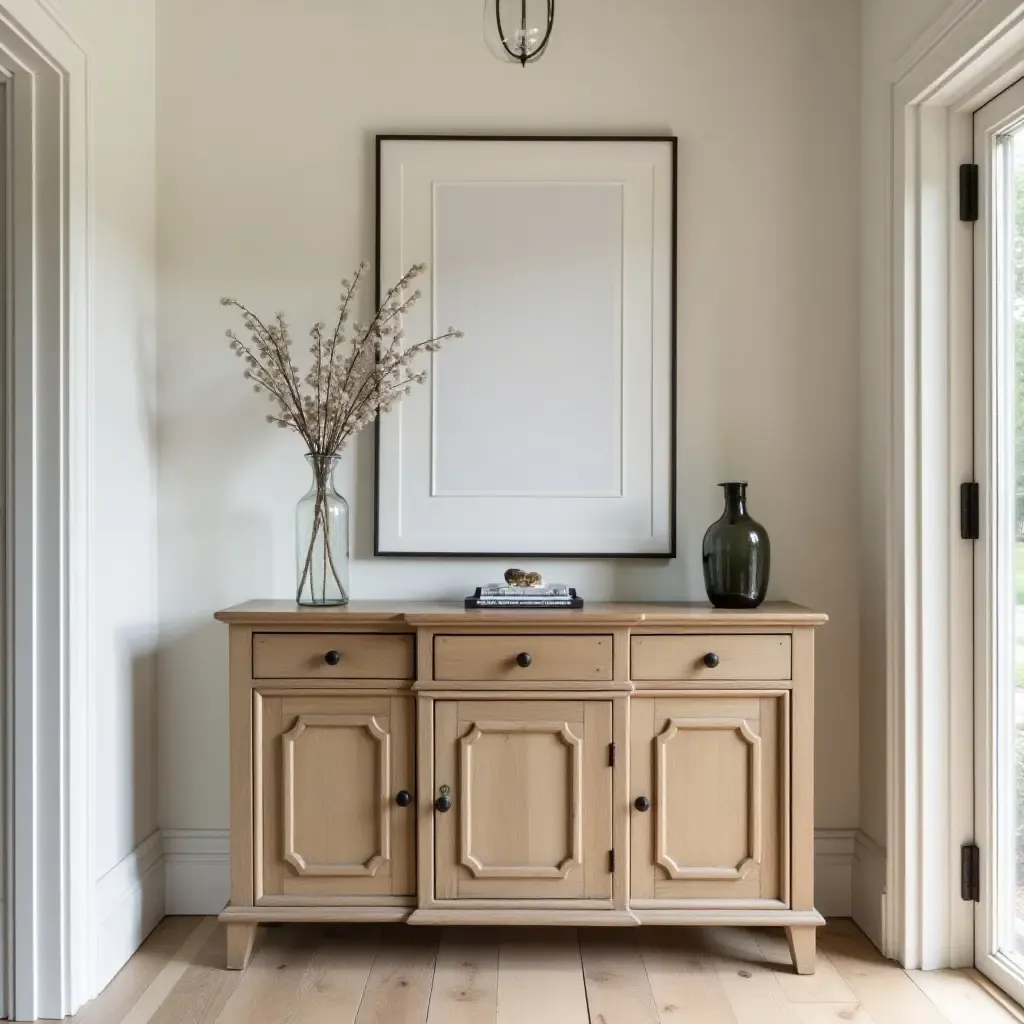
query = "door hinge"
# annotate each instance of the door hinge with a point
(970, 511)
(970, 873)
(969, 194)
(611, 755)
(611, 862)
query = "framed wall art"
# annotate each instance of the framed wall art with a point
(549, 430)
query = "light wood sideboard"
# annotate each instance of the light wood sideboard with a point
(618, 765)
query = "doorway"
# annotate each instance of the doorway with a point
(5, 693)
(996, 860)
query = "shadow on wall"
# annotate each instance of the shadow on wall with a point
(231, 532)
(129, 890)
(194, 766)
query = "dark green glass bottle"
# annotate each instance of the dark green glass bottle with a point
(737, 554)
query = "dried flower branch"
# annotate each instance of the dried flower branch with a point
(356, 373)
(354, 376)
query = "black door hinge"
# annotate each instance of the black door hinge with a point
(970, 873)
(970, 202)
(611, 755)
(611, 862)
(970, 511)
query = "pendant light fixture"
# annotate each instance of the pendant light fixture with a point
(517, 31)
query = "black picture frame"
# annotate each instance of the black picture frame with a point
(673, 142)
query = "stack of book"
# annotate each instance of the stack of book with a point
(551, 595)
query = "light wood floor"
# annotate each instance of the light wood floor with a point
(409, 975)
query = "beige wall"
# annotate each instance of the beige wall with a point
(267, 112)
(889, 31)
(119, 38)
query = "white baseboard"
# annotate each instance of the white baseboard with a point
(868, 888)
(833, 870)
(196, 870)
(130, 904)
(3, 961)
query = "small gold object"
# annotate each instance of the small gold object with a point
(521, 578)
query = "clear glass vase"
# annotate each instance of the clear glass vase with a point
(321, 538)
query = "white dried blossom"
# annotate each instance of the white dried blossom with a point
(355, 374)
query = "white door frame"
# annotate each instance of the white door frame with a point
(994, 704)
(5, 219)
(50, 879)
(971, 54)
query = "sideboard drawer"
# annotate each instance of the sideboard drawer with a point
(332, 656)
(712, 657)
(519, 657)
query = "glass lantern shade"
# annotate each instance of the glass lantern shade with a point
(518, 31)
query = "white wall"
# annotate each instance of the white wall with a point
(119, 38)
(889, 31)
(267, 111)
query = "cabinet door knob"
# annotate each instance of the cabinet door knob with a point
(642, 803)
(332, 657)
(524, 660)
(711, 659)
(443, 804)
(404, 798)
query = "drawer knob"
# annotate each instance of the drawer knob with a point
(711, 659)
(332, 657)
(444, 801)
(524, 660)
(404, 798)
(642, 803)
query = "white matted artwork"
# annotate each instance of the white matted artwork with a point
(550, 428)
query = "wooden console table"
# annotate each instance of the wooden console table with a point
(623, 764)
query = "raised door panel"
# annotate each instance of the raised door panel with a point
(530, 787)
(330, 771)
(713, 770)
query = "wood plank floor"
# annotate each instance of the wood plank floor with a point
(364, 974)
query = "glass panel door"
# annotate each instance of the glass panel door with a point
(999, 562)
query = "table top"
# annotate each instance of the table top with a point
(452, 613)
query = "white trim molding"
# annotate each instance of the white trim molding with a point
(3, 959)
(833, 870)
(49, 665)
(867, 890)
(131, 895)
(196, 867)
(933, 37)
(972, 52)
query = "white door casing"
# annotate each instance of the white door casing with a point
(4, 285)
(972, 53)
(49, 880)
(994, 583)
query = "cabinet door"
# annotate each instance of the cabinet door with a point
(531, 792)
(329, 770)
(713, 769)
